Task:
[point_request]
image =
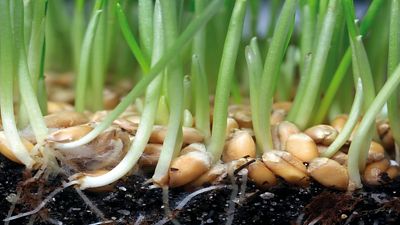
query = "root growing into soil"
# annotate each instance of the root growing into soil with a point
(40, 206)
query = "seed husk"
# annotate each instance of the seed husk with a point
(7, 152)
(329, 173)
(70, 133)
(188, 167)
(376, 152)
(190, 135)
(65, 119)
(150, 155)
(322, 134)
(98, 116)
(302, 147)
(104, 152)
(126, 125)
(277, 162)
(239, 146)
(281, 133)
(373, 170)
(132, 117)
(261, 175)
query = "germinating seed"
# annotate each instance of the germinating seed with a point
(376, 152)
(188, 167)
(392, 172)
(7, 152)
(70, 133)
(240, 145)
(190, 135)
(282, 106)
(65, 119)
(339, 122)
(329, 173)
(385, 134)
(286, 166)
(54, 107)
(278, 116)
(322, 134)
(214, 175)
(150, 155)
(373, 171)
(261, 175)
(110, 99)
(231, 125)
(302, 147)
(242, 115)
(282, 132)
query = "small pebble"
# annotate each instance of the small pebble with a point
(267, 195)
(122, 188)
(124, 212)
(12, 198)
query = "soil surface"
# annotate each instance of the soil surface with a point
(131, 201)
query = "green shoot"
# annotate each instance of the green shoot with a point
(175, 91)
(26, 88)
(131, 40)
(145, 9)
(147, 119)
(202, 107)
(6, 86)
(83, 73)
(358, 148)
(254, 64)
(306, 98)
(393, 61)
(184, 38)
(271, 72)
(344, 64)
(225, 76)
(78, 24)
(351, 122)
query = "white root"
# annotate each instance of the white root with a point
(12, 207)
(167, 209)
(91, 205)
(186, 200)
(232, 203)
(40, 206)
(182, 203)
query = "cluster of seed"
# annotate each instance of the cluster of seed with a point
(295, 158)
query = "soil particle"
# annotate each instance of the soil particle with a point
(132, 201)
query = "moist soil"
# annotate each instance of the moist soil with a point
(132, 201)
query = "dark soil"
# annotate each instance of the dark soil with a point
(133, 202)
